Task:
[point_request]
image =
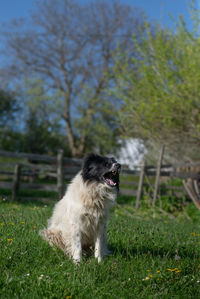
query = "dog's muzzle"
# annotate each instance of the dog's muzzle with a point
(116, 167)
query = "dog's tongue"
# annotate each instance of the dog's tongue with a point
(110, 182)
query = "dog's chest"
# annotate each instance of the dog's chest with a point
(90, 221)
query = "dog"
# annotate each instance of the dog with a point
(79, 219)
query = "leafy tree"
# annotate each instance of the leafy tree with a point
(37, 137)
(11, 140)
(159, 90)
(42, 127)
(8, 108)
(38, 128)
(69, 46)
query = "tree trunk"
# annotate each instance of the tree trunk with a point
(69, 132)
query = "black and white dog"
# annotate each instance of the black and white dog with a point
(79, 219)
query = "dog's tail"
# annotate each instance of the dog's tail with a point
(44, 234)
(54, 237)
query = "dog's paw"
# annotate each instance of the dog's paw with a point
(99, 259)
(76, 260)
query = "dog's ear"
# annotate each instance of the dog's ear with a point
(87, 164)
(89, 159)
(89, 167)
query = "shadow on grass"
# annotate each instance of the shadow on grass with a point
(40, 197)
(29, 197)
(163, 252)
(126, 199)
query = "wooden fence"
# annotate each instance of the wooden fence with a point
(22, 171)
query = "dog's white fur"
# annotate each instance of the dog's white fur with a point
(79, 219)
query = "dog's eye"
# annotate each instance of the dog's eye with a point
(107, 164)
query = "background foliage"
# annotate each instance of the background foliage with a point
(85, 83)
(159, 89)
(67, 48)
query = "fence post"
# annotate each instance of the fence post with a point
(191, 188)
(16, 181)
(158, 174)
(139, 191)
(60, 178)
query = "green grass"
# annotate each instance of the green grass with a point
(146, 246)
(34, 194)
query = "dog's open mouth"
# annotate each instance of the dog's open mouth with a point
(111, 178)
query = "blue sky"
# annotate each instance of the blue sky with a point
(155, 9)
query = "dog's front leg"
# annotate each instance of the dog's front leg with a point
(99, 243)
(76, 244)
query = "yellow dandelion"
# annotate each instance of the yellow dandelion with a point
(158, 271)
(146, 278)
(173, 270)
(68, 297)
(10, 240)
(11, 223)
(148, 270)
(150, 275)
(22, 222)
(1, 224)
(34, 226)
(193, 234)
(178, 271)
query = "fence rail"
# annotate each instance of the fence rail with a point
(30, 167)
(37, 157)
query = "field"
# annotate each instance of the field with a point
(154, 255)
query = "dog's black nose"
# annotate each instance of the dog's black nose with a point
(118, 166)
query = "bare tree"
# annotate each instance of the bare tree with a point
(69, 46)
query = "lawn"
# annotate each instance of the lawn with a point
(154, 255)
